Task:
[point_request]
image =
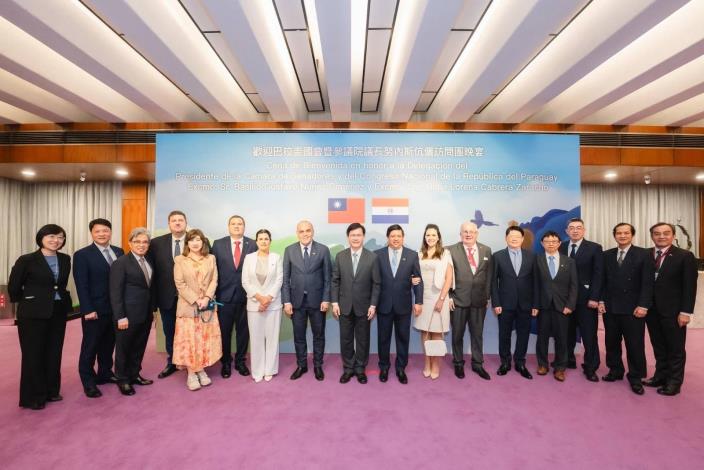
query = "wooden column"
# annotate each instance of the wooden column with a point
(134, 209)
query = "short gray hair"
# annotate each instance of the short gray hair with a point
(137, 231)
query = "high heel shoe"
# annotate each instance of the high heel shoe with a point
(426, 373)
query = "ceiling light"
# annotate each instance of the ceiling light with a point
(700, 176)
(121, 172)
(609, 175)
(28, 172)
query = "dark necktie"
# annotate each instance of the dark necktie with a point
(108, 256)
(177, 250)
(620, 257)
(306, 256)
(144, 270)
(573, 253)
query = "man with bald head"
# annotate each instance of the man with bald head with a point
(306, 295)
(469, 298)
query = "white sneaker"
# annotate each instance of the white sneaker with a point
(203, 378)
(192, 382)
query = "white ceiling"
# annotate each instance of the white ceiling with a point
(511, 61)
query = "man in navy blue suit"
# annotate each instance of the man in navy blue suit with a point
(590, 271)
(398, 266)
(229, 254)
(91, 273)
(514, 296)
(306, 295)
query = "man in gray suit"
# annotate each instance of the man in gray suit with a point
(558, 299)
(470, 297)
(306, 295)
(356, 284)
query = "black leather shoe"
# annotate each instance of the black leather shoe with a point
(298, 372)
(345, 377)
(242, 369)
(653, 382)
(459, 372)
(110, 380)
(591, 376)
(481, 373)
(126, 389)
(383, 375)
(226, 371)
(637, 389)
(56, 397)
(168, 370)
(92, 392)
(611, 377)
(319, 374)
(35, 406)
(503, 369)
(572, 364)
(402, 377)
(669, 390)
(524, 372)
(362, 378)
(141, 381)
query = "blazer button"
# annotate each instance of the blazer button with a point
(56, 287)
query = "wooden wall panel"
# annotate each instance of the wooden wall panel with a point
(36, 153)
(600, 155)
(689, 157)
(134, 208)
(646, 156)
(89, 153)
(136, 153)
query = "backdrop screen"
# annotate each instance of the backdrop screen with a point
(332, 179)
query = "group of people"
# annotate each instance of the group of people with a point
(204, 293)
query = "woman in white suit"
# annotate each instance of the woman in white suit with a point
(262, 276)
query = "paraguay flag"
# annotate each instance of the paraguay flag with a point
(343, 210)
(389, 211)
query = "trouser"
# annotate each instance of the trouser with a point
(264, 328)
(507, 320)
(473, 317)
(98, 342)
(632, 330)
(41, 342)
(555, 323)
(168, 325)
(317, 324)
(668, 340)
(587, 319)
(400, 324)
(234, 316)
(130, 345)
(354, 329)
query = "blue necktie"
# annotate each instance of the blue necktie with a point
(573, 253)
(551, 266)
(108, 257)
(514, 261)
(355, 260)
(394, 262)
(306, 256)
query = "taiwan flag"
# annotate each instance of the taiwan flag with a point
(389, 211)
(343, 210)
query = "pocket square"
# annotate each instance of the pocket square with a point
(486, 259)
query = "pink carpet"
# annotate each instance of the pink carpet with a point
(508, 422)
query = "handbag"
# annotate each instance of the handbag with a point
(435, 347)
(206, 314)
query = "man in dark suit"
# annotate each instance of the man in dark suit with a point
(514, 296)
(91, 273)
(589, 258)
(162, 252)
(229, 254)
(132, 301)
(306, 296)
(399, 268)
(558, 297)
(469, 298)
(356, 284)
(627, 295)
(674, 294)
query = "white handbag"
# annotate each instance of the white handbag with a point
(435, 347)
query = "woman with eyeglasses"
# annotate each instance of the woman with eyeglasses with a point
(38, 286)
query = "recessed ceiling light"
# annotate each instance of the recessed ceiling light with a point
(609, 175)
(121, 172)
(700, 176)
(28, 172)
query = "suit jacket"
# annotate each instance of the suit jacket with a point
(630, 285)
(230, 290)
(590, 269)
(675, 288)
(560, 292)
(32, 286)
(356, 291)
(395, 294)
(471, 290)
(130, 295)
(161, 259)
(91, 273)
(313, 279)
(193, 280)
(272, 283)
(513, 291)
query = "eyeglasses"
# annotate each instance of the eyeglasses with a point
(55, 237)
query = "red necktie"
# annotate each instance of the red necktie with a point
(470, 257)
(238, 254)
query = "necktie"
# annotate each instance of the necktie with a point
(355, 260)
(394, 262)
(472, 261)
(658, 260)
(620, 257)
(514, 261)
(551, 266)
(573, 253)
(108, 257)
(238, 254)
(144, 270)
(177, 250)
(306, 256)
